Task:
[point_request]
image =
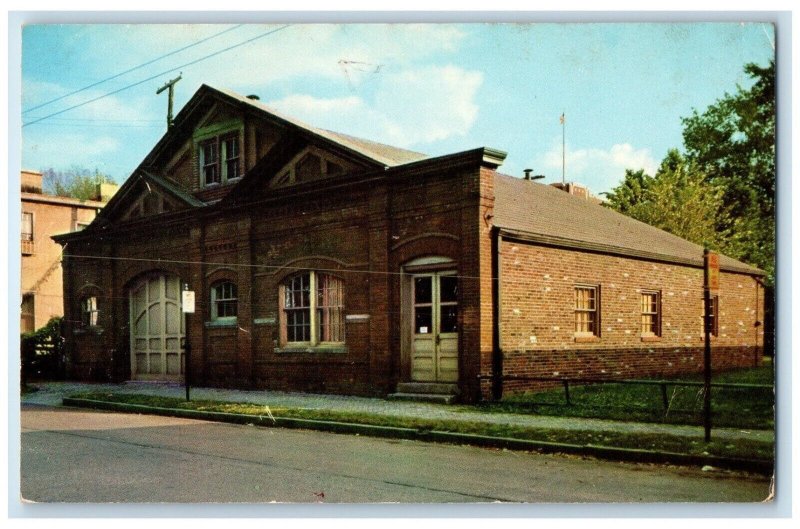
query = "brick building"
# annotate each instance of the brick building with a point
(323, 262)
(43, 216)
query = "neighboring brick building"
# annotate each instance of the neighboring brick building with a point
(323, 262)
(43, 216)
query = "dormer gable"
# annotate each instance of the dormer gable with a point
(144, 195)
(150, 202)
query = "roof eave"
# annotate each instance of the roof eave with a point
(560, 242)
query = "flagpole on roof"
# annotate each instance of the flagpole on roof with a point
(563, 149)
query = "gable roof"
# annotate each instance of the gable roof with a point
(551, 216)
(384, 154)
(124, 196)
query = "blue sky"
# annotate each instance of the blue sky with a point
(437, 88)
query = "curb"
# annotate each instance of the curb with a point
(759, 466)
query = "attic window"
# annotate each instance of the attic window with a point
(220, 159)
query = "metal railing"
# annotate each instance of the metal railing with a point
(663, 384)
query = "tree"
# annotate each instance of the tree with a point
(76, 182)
(632, 191)
(678, 199)
(733, 142)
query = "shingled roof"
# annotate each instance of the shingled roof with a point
(551, 216)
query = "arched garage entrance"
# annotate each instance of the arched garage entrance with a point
(157, 328)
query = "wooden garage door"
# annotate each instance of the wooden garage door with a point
(157, 329)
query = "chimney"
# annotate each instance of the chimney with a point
(577, 190)
(30, 182)
(105, 191)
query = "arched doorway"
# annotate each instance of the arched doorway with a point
(157, 328)
(430, 310)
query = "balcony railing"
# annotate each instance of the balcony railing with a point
(28, 247)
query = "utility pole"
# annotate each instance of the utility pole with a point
(710, 283)
(171, 86)
(563, 148)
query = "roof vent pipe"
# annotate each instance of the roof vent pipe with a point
(534, 177)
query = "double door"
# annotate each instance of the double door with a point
(157, 329)
(434, 351)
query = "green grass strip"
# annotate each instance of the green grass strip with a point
(735, 448)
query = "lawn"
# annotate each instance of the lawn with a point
(738, 448)
(731, 407)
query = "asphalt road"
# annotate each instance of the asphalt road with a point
(70, 455)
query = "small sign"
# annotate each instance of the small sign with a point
(712, 270)
(423, 330)
(187, 301)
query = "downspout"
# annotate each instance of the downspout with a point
(497, 351)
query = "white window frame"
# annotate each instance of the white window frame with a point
(30, 215)
(215, 300)
(313, 309)
(220, 142)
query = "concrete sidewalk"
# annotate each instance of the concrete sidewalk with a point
(51, 394)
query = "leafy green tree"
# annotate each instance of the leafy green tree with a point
(75, 182)
(733, 142)
(678, 199)
(630, 192)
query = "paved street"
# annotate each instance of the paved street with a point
(71, 455)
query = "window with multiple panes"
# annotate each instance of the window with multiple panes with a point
(209, 165)
(220, 159)
(224, 302)
(230, 150)
(89, 312)
(27, 226)
(713, 316)
(651, 313)
(587, 310)
(313, 309)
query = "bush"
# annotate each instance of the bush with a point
(42, 352)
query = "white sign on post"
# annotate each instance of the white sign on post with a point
(187, 301)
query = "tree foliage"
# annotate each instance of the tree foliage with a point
(721, 191)
(678, 199)
(733, 142)
(75, 182)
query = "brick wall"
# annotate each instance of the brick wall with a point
(538, 300)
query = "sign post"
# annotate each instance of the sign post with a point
(710, 282)
(187, 306)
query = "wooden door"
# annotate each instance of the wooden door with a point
(434, 348)
(157, 329)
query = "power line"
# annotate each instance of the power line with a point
(101, 120)
(243, 265)
(132, 69)
(191, 63)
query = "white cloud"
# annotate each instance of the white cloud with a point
(299, 50)
(408, 108)
(109, 108)
(599, 169)
(46, 150)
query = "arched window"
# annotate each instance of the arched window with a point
(224, 302)
(313, 309)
